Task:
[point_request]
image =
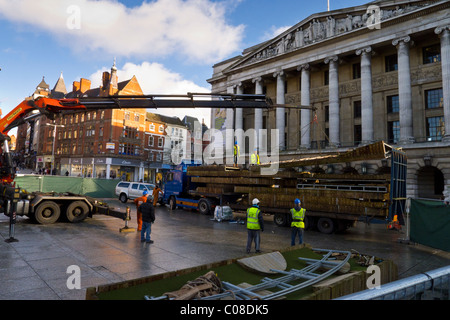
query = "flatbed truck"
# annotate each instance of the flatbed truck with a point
(334, 202)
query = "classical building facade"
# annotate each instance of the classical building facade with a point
(374, 72)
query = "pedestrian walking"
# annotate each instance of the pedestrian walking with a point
(297, 225)
(148, 218)
(138, 202)
(255, 225)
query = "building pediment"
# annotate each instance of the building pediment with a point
(325, 26)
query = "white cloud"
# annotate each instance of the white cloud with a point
(154, 78)
(195, 29)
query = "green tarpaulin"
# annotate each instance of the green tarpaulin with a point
(430, 223)
(96, 188)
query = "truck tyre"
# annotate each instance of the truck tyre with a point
(77, 211)
(172, 203)
(123, 198)
(325, 225)
(280, 219)
(204, 206)
(47, 212)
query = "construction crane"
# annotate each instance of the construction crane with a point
(45, 208)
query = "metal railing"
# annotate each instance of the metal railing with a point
(431, 285)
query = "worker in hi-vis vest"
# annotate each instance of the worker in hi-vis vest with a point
(237, 153)
(297, 224)
(254, 158)
(255, 224)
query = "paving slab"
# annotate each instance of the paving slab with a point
(35, 268)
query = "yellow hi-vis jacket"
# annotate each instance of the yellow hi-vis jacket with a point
(254, 159)
(297, 218)
(252, 218)
(236, 150)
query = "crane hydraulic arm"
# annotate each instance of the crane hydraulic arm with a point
(29, 109)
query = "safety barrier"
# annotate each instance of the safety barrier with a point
(96, 188)
(431, 285)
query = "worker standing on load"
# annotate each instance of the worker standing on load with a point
(297, 225)
(255, 224)
(138, 202)
(237, 153)
(254, 158)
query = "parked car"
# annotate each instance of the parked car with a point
(132, 190)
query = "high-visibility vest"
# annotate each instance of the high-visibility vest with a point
(297, 218)
(252, 218)
(236, 150)
(254, 159)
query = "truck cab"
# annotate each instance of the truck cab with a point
(177, 191)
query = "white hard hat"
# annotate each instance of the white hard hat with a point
(255, 201)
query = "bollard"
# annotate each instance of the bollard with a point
(127, 218)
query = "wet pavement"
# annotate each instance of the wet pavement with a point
(36, 266)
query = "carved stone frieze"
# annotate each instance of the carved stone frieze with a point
(322, 28)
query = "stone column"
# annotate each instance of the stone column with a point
(404, 90)
(229, 133)
(280, 117)
(305, 123)
(333, 88)
(366, 95)
(258, 114)
(239, 124)
(444, 33)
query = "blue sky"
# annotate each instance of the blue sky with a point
(170, 45)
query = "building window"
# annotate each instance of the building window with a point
(356, 71)
(432, 54)
(434, 98)
(150, 141)
(435, 128)
(392, 104)
(326, 77)
(357, 109)
(357, 134)
(391, 63)
(161, 129)
(151, 127)
(393, 131)
(327, 113)
(160, 142)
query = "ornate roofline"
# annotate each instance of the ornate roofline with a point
(325, 26)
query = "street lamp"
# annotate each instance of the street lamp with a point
(53, 146)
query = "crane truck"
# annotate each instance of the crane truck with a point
(46, 208)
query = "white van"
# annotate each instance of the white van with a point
(132, 190)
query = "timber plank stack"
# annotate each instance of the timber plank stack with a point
(334, 193)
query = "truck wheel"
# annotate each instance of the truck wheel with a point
(204, 207)
(172, 203)
(47, 212)
(280, 219)
(325, 225)
(77, 211)
(123, 198)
